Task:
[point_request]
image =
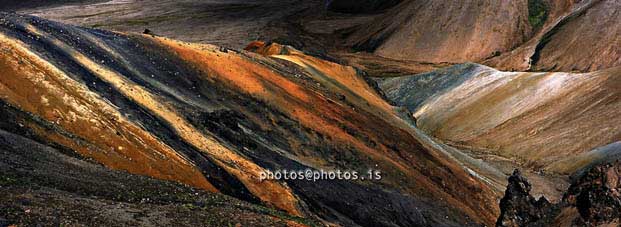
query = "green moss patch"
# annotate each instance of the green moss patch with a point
(537, 13)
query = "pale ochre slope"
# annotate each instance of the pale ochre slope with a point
(538, 118)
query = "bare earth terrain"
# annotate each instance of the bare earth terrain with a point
(165, 112)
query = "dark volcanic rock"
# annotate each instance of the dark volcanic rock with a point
(593, 199)
(518, 207)
(596, 194)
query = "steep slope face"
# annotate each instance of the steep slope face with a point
(446, 31)
(538, 118)
(571, 40)
(524, 35)
(30, 83)
(578, 43)
(216, 119)
(537, 35)
(558, 11)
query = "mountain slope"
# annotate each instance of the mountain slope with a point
(215, 119)
(539, 118)
(231, 23)
(533, 35)
(42, 184)
(586, 50)
(571, 40)
(440, 31)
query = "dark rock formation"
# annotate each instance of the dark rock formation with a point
(593, 199)
(596, 194)
(518, 207)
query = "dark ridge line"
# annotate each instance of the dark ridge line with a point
(114, 41)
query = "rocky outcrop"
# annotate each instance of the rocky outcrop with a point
(518, 207)
(597, 194)
(593, 199)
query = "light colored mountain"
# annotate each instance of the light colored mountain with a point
(537, 118)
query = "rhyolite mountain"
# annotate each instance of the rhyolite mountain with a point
(383, 37)
(214, 119)
(544, 119)
(537, 35)
(167, 112)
